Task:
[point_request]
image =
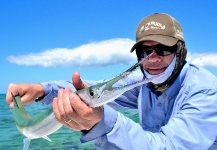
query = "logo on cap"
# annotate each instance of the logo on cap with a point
(152, 25)
(179, 34)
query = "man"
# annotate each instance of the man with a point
(177, 111)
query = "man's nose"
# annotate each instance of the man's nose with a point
(154, 57)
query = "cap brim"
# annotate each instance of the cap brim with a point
(165, 40)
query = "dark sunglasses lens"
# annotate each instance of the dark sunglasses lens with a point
(161, 50)
(145, 52)
(165, 53)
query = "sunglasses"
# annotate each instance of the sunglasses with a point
(160, 49)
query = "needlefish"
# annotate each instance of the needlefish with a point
(105, 92)
(44, 124)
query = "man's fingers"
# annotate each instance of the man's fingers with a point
(55, 109)
(77, 82)
(8, 95)
(83, 110)
(71, 111)
(60, 105)
(9, 99)
(12, 105)
(63, 111)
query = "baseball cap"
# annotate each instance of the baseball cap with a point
(161, 28)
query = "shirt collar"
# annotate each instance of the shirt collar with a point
(175, 87)
(178, 83)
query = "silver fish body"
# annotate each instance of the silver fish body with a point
(42, 129)
(39, 126)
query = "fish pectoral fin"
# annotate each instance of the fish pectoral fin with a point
(26, 142)
(47, 138)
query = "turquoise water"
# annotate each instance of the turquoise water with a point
(63, 139)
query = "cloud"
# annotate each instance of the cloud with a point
(108, 52)
(203, 59)
(103, 53)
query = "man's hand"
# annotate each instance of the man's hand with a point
(27, 92)
(71, 111)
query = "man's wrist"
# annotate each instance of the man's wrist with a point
(103, 127)
(40, 92)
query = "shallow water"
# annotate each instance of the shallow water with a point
(63, 139)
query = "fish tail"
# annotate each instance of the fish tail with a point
(18, 103)
(15, 100)
(26, 142)
(47, 138)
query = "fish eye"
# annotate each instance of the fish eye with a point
(92, 92)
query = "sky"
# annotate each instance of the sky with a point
(47, 40)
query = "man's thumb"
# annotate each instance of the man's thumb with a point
(77, 82)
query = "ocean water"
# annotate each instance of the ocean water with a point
(63, 139)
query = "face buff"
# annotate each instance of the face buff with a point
(167, 73)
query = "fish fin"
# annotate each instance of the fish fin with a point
(26, 142)
(47, 138)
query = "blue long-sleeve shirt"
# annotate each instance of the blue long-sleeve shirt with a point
(183, 117)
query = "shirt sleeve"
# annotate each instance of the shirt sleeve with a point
(51, 89)
(192, 126)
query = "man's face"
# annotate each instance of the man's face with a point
(156, 64)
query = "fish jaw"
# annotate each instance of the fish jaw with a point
(94, 95)
(106, 97)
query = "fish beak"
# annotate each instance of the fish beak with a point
(108, 85)
(102, 93)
